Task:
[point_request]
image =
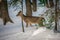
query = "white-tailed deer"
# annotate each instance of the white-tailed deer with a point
(30, 19)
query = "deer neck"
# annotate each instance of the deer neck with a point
(22, 16)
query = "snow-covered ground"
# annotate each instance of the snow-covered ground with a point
(31, 33)
(13, 31)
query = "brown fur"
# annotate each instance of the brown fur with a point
(30, 19)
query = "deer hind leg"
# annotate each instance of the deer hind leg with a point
(41, 24)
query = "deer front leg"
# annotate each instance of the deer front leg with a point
(26, 24)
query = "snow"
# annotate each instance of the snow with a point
(30, 34)
(39, 30)
(13, 31)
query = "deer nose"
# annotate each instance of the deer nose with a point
(17, 15)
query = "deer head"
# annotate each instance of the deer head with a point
(19, 13)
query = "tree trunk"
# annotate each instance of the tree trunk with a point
(56, 15)
(34, 5)
(28, 8)
(4, 11)
(51, 3)
(22, 17)
(47, 4)
(0, 11)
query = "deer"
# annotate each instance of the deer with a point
(30, 19)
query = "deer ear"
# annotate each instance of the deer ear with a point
(18, 13)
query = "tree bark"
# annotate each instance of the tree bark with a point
(56, 15)
(51, 3)
(47, 4)
(22, 17)
(34, 5)
(28, 8)
(0, 10)
(4, 11)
